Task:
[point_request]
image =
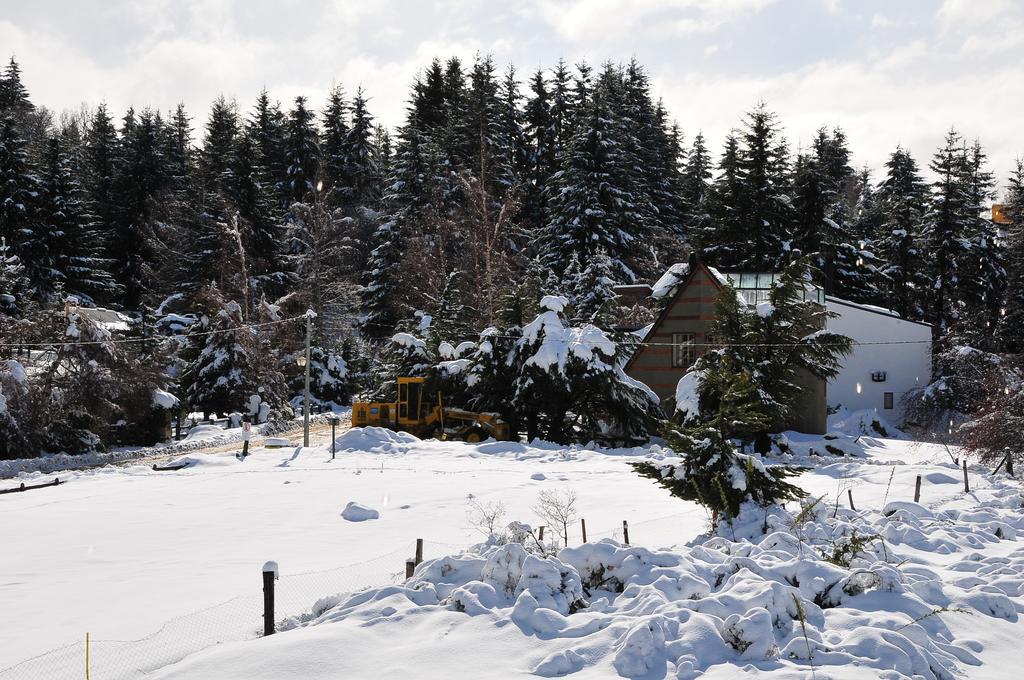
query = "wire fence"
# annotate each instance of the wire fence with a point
(298, 598)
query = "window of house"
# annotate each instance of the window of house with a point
(682, 350)
(887, 400)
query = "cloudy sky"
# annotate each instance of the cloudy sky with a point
(887, 71)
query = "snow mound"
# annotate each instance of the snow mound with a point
(355, 512)
(826, 589)
(864, 422)
(687, 400)
(374, 440)
(204, 431)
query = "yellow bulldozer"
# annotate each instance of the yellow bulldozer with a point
(425, 415)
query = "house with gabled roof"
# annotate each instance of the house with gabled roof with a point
(891, 356)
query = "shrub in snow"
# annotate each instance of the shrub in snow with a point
(716, 475)
(967, 381)
(83, 394)
(722, 601)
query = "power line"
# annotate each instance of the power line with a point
(468, 338)
(126, 341)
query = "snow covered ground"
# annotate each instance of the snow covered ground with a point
(118, 551)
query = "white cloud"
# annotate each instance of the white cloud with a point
(586, 20)
(958, 65)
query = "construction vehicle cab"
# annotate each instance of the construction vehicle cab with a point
(425, 415)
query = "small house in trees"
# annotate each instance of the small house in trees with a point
(872, 376)
(683, 332)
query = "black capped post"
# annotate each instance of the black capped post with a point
(269, 576)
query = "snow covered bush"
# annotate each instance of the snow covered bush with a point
(230, 362)
(84, 393)
(713, 473)
(570, 385)
(965, 380)
(754, 596)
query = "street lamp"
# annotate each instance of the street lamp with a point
(334, 420)
(303, 361)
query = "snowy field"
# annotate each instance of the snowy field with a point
(118, 551)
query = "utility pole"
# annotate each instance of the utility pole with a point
(305, 401)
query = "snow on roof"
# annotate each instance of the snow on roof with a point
(666, 285)
(872, 308)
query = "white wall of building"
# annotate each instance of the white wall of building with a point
(905, 366)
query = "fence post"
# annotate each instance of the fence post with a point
(541, 537)
(967, 483)
(917, 490)
(1009, 462)
(625, 532)
(87, 676)
(334, 424)
(583, 525)
(410, 567)
(849, 492)
(419, 550)
(269, 574)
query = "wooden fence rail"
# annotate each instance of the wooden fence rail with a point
(25, 487)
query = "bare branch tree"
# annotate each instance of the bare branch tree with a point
(558, 509)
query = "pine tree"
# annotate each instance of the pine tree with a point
(694, 189)
(19, 190)
(234, 364)
(763, 210)
(219, 145)
(593, 291)
(511, 153)
(140, 175)
(254, 198)
(210, 243)
(267, 127)
(717, 476)
(593, 199)
(984, 271)
(361, 162)
(332, 144)
(14, 99)
(723, 239)
(570, 385)
(303, 152)
(101, 151)
(450, 317)
(902, 198)
(946, 232)
(773, 342)
(1011, 323)
(657, 156)
(539, 130)
(63, 255)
